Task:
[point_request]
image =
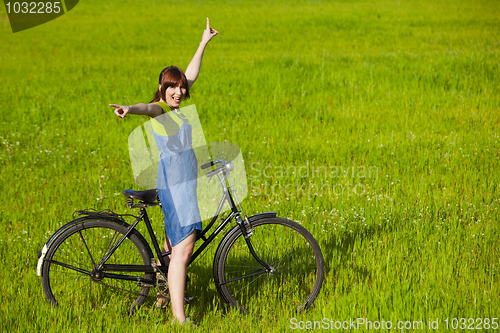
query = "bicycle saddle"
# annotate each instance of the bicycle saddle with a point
(148, 196)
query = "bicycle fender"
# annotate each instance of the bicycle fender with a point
(262, 215)
(41, 257)
(46, 246)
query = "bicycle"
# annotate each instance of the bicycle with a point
(262, 265)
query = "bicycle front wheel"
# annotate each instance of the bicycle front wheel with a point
(297, 268)
(69, 276)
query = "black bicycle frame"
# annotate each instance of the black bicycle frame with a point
(161, 256)
(105, 268)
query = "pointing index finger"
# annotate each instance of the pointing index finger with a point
(208, 24)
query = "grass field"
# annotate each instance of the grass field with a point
(376, 125)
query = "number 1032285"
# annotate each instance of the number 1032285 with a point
(42, 7)
(471, 323)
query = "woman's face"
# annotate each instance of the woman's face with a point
(174, 96)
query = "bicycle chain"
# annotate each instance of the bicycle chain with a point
(130, 291)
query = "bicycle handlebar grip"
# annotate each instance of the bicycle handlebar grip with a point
(209, 164)
(216, 171)
(206, 165)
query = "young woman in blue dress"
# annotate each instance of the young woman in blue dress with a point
(180, 224)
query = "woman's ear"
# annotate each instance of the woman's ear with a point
(159, 87)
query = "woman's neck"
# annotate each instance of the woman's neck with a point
(171, 107)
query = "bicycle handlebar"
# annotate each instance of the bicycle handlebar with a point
(209, 164)
(226, 167)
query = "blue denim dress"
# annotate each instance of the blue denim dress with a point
(177, 176)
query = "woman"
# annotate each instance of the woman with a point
(175, 162)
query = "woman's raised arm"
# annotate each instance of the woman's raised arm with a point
(193, 68)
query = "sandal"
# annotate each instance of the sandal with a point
(186, 323)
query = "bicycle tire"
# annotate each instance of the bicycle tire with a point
(292, 252)
(81, 247)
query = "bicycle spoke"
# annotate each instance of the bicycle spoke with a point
(110, 246)
(79, 270)
(88, 251)
(259, 272)
(252, 282)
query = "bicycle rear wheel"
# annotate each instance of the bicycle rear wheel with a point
(69, 278)
(292, 253)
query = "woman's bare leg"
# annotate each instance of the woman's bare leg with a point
(177, 274)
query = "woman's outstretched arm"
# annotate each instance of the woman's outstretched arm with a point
(193, 68)
(152, 110)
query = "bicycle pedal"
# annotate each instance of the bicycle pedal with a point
(166, 301)
(162, 303)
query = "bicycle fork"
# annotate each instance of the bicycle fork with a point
(247, 231)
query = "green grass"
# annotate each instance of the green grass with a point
(407, 88)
